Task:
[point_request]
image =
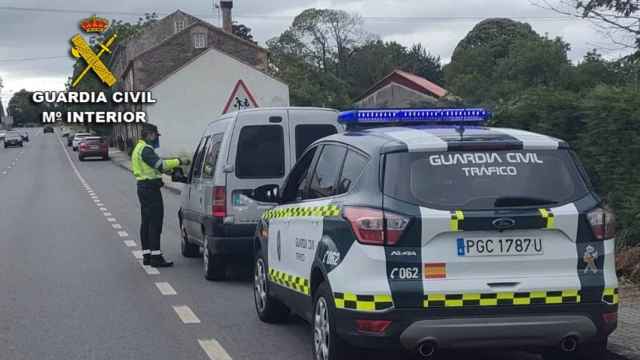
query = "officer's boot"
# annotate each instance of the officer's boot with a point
(146, 259)
(159, 261)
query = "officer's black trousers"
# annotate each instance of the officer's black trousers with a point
(152, 213)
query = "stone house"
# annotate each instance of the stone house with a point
(192, 69)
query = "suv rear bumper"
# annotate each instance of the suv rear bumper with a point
(535, 328)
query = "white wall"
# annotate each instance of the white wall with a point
(197, 94)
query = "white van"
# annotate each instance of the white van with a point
(241, 157)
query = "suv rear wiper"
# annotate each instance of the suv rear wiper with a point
(507, 201)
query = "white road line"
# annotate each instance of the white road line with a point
(111, 219)
(150, 270)
(186, 315)
(130, 243)
(116, 226)
(96, 200)
(213, 349)
(166, 288)
(123, 234)
(107, 214)
(137, 254)
(103, 209)
(100, 204)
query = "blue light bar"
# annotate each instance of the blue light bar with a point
(381, 116)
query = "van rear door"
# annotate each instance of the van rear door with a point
(308, 125)
(258, 157)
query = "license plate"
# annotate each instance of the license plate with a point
(500, 247)
(93, 147)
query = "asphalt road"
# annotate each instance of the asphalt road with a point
(72, 288)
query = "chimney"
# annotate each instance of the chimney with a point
(227, 22)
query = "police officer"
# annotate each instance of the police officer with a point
(148, 168)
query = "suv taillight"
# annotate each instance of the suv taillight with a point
(603, 223)
(374, 226)
(219, 201)
(83, 145)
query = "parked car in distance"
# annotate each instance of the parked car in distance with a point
(239, 156)
(47, 129)
(76, 140)
(93, 146)
(2, 135)
(13, 138)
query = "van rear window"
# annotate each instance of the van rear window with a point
(260, 152)
(483, 180)
(308, 134)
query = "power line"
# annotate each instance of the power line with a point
(393, 19)
(35, 58)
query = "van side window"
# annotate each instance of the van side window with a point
(260, 152)
(195, 157)
(327, 171)
(211, 157)
(197, 165)
(307, 134)
(354, 163)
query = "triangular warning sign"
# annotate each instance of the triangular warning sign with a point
(240, 99)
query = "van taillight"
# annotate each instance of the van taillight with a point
(603, 223)
(219, 201)
(374, 226)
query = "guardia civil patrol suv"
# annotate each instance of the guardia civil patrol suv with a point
(424, 230)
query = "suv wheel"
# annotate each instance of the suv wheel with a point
(213, 265)
(326, 343)
(269, 310)
(188, 249)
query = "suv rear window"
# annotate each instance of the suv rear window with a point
(260, 152)
(483, 180)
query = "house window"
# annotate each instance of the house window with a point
(179, 25)
(200, 40)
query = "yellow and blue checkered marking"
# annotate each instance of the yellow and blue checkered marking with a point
(362, 302)
(548, 216)
(295, 283)
(502, 299)
(610, 296)
(323, 211)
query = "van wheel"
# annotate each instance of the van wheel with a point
(214, 266)
(188, 249)
(326, 343)
(81, 158)
(269, 309)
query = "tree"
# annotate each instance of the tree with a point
(243, 31)
(500, 58)
(24, 110)
(618, 19)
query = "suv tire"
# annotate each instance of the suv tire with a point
(269, 309)
(188, 249)
(214, 266)
(325, 342)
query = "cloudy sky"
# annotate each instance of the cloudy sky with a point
(34, 49)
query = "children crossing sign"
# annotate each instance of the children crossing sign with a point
(240, 99)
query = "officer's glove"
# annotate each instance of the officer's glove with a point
(185, 162)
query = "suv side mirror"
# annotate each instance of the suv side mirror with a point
(267, 193)
(178, 176)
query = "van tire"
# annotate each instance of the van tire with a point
(188, 249)
(269, 309)
(214, 266)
